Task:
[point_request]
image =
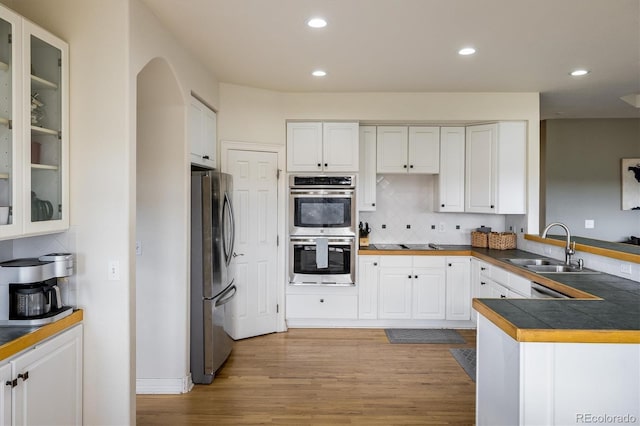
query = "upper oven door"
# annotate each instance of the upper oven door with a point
(322, 212)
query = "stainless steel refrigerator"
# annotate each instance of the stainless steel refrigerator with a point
(212, 272)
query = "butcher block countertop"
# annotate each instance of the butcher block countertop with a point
(604, 309)
(17, 339)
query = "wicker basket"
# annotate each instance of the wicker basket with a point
(479, 239)
(502, 240)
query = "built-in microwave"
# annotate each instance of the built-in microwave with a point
(322, 205)
(322, 260)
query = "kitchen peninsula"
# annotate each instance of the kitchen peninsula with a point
(551, 361)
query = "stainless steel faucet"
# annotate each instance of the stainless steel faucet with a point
(570, 248)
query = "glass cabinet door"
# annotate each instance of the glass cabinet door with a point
(47, 147)
(10, 176)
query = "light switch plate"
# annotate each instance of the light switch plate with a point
(114, 270)
(589, 224)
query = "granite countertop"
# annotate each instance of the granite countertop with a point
(605, 308)
(17, 339)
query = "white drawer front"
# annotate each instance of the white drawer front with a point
(322, 306)
(396, 261)
(428, 261)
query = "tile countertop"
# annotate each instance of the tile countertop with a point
(605, 308)
(17, 339)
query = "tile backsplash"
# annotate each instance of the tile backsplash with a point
(404, 214)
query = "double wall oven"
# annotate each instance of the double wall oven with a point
(322, 234)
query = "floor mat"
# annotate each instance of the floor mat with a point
(466, 357)
(419, 335)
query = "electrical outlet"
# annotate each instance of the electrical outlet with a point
(442, 227)
(625, 268)
(138, 248)
(114, 270)
(589, 224)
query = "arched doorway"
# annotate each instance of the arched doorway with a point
(162, 229)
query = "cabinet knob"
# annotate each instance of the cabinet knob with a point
(482, 283)
(24, 376)
(492, 206)
(373, 204)
(405, 166)
(482, 268)
(441, 205)
(450, 264)
(319, 165)
(411, 166)
(205, 157)
(326, 164)
(409, 276)
(502, 296)
(375, 263)
(321, 300)
(415, 276)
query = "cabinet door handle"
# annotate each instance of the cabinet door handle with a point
(482, 283)
(13, 383)
(492, 206)
(483, 268)
(205, 157)
(502, 296)
(24, 376)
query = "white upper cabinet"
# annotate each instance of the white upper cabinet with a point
(496, 168)
(414, 149)
(34, 129)
(367, 177)
(449, 184)
(322, 147)
(202, 133)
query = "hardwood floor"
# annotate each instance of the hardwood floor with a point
(325, 377)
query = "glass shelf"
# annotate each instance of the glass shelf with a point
(41, 83)
(44, 130)
(43, 167)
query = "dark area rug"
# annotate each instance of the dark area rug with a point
(420, 335)
(466, 357)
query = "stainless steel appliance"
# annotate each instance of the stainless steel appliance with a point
(308, 267)
(30, 292)
(322, 205)
(212, 272)
(539, 291)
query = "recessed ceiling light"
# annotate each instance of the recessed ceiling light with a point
(317, 23)
(319, 73)
(578, 73)
(466, 51)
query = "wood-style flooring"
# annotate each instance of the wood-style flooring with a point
(325, 377)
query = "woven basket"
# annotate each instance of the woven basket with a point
(502, 240)
(479, 239)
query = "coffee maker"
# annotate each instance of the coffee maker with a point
(30, 292)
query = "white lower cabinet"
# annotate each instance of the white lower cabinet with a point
(317, 302)
(395, 287)
(368, 268)
(429, 288)
(458, 288)
(43, 385)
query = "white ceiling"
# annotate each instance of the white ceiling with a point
(411, 46)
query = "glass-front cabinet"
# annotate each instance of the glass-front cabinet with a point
(47, 144)
(34, 144)
(10, 149)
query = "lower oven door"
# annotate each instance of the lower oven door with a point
(322, 261)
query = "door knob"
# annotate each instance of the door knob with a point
(236, 254)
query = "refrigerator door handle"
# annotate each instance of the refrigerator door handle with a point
(227, 295)
(228, 250)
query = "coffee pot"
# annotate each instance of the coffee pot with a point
(34, 300)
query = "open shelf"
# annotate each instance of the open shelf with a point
(4, 66)
(43, 167)
(44, 130)
(41, 83)
(4, 175)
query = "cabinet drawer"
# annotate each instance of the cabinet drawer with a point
(520, 285)
(428, 261)
(396, 261)
(322, 306)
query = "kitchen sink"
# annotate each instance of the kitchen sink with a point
(554, 269)
(528, 262)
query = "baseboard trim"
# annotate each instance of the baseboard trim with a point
(164, 386)
(360, 323)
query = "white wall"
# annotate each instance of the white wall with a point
(257, 115)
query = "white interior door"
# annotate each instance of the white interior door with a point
(253, 311)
